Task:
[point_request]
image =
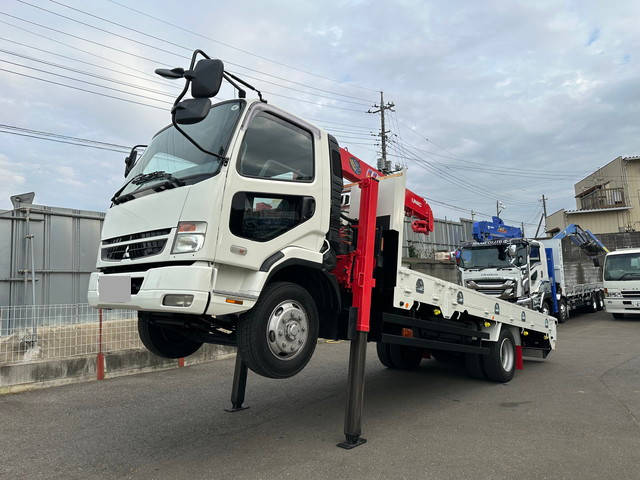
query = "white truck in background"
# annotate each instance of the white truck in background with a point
(621, 274)
(553, 275)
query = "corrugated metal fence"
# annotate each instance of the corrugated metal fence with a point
(61, 243)
(447, 235)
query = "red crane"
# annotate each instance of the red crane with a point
(355, 170)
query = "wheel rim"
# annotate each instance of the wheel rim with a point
(545, 309)
(287, 330)
(594, 304)
(506, 355)
(563, 310)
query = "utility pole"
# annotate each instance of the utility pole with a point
(499, 205)
(383, 164)
(544, 212)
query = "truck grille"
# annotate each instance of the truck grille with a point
(133, 251)
(630, 294)
(496, 288)
(136, 236)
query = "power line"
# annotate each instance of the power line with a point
(98, 147)
(49, 52)
(159, 48)
(58, 135)
(85, 81)
(73, 47)
(82, 89)
(101, 77)
(454, 180)
(237, 48)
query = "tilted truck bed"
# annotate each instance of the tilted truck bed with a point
(432, 292)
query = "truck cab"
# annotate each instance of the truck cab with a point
(511, 269)
(621, 275)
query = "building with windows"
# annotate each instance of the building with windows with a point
(607, 201)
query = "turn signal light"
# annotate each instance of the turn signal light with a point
(234, 301)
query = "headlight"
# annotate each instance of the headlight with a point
(189, 237)
(609, 292)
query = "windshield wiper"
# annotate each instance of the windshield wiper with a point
(143, 178)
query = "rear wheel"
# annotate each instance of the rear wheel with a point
(500, 364)
(593, 303)
(399, 357)
(563, 311)
(600, 301)
(278, 336)
(473, 365)
(162, 340)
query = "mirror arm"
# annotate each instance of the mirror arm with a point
(241, 92)
(248, 85)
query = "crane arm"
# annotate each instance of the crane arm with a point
(356, 170)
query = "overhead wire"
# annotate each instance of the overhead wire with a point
(155, 47)
(200, 35)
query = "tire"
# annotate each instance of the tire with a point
(593, 303)
(278, 336)
(473, 366)
(164, 341)
(384, 354)
(563, 311)
(618, 316)
(600, 301)
(546, 307)
(500, 364)
(399, 357)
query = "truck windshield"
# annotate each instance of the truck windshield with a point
(492, 256)
(622, 267)
(170, 152)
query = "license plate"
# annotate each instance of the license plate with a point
(114, 289)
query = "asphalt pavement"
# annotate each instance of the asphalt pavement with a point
(574, 416)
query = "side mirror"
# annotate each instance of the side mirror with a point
(192, 110)
(596, 261)
(130, 161)
(511, 250)
(206, 78)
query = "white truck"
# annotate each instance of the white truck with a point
(622, 282)
(230, 229)
(552, 275)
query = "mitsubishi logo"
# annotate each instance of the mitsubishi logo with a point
(126, 252)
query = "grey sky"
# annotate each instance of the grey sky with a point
(483, 90)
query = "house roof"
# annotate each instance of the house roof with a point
(596, 210)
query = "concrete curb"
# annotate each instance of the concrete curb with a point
(49, 373)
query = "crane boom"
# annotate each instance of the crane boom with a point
(356, 170)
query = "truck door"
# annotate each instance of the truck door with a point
(273, 197)
(536, 269)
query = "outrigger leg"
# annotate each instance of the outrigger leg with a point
(239, 386)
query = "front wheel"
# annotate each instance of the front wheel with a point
(278, 336)
(164, 341)
(400, 357)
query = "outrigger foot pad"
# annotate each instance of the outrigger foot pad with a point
(235, 409)
(352, 442)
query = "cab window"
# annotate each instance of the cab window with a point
(275, 149)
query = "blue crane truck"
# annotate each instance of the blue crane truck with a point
(555, 275)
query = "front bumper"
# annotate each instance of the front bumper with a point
(196, 280)
(621, 305)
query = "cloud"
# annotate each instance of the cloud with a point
(511, 87)
(593, 36)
